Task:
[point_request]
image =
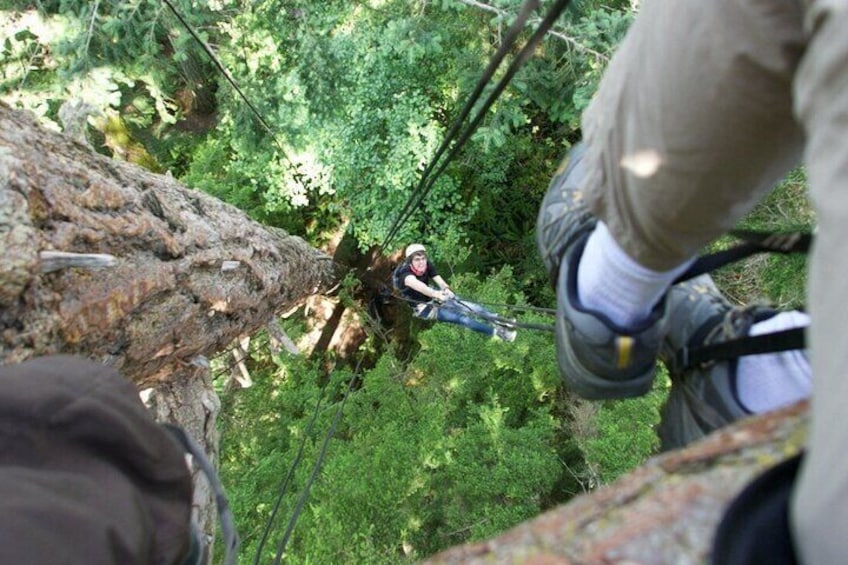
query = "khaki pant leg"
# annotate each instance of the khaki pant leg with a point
(692, 122)
(820, 500)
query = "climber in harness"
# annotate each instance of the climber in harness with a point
(412, 279)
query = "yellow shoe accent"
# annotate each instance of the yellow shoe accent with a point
(623, 348)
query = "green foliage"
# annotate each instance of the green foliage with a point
(460, 444)
(124, 59)
(624, 431)
(562, 81)
(358, 99)
(352, 101)
(26, 61)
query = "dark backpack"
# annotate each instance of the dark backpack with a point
(397, 282)
(86, 473)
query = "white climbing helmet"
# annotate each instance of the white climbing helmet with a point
(414, 248)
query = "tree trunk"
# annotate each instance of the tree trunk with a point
(189, 399)
(190, 274)
(666, 511)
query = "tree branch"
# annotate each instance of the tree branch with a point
(559, 35)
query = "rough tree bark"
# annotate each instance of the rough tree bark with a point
(663, 512)
(189, 399)
(191, 273)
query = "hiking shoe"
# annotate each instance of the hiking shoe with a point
(596, 358)
(702, 398)
(563, 216)
(505, 334)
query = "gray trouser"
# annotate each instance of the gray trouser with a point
(705, 106)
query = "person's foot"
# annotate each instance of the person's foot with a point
(505, 334)
(596, 358)
(702, 398)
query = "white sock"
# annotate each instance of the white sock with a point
(610, 282)
(771, 380)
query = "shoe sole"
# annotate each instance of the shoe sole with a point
(552, 237)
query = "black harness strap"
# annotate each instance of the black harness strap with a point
(752, 242)
(784, 340)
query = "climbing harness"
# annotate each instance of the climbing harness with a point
(430, 310)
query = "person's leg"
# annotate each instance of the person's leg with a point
(818, 510)
(771, 381)
(691, 125)
(453, 313)
(474, 308)
(505, 330)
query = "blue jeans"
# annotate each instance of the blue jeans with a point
(457, 311)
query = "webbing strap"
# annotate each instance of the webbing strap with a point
(752, 242)
(784, 340)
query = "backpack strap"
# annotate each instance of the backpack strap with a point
(396, 282)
